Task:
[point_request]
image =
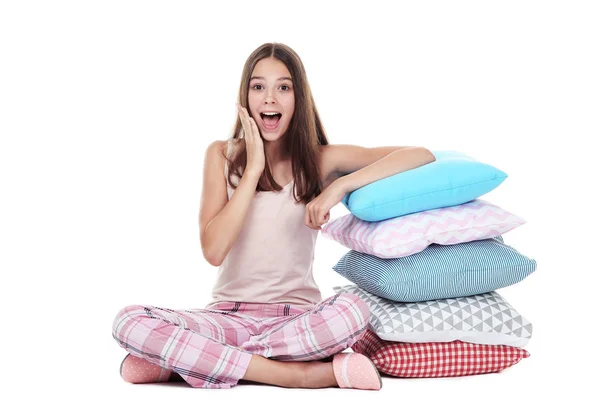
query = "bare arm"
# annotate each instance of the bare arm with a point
(393, 163)
(353, 167)
(221, 220)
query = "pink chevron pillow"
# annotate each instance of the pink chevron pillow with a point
(412, 233)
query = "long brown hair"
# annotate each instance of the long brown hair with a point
(303, 138)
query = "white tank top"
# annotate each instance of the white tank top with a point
(272, 259)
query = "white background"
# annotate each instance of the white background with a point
(106, 109)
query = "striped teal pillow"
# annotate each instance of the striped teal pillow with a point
(439, 271)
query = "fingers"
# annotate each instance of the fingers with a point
(326, 219)
(315, 219)
(255, 129)
(245, 120)
(242, 119)
(307, 217)
(248, 123)
(312, 217)
(319, 220)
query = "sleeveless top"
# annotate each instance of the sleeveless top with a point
(271, 260)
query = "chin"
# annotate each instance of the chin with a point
(272, 136)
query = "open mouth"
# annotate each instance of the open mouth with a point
(270, 120)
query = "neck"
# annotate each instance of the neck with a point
(275, 152)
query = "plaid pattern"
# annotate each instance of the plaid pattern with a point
(436, 359)
(212, 347)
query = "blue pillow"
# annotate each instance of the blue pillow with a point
(439, 271)
(452, 179)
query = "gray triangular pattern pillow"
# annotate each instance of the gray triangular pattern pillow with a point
(484, 318)
(429, 321)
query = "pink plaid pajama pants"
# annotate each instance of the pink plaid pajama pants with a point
(212, 347)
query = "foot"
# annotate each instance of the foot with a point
(138, 370)
(356, 371)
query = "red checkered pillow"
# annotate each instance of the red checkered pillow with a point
(436, 359)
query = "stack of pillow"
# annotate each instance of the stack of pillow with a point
(427, 258)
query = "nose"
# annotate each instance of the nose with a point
(270, 97)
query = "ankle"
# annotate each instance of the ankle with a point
(298, 373)
(280, 373)
(318, 374)
(304, 375)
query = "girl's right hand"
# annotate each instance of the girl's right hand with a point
(255, 152)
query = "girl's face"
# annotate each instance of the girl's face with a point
(271, 91)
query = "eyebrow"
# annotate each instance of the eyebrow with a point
(283, 78)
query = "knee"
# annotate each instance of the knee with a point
(358, 307)
(127, 314)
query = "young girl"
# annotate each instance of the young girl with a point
(266, 193)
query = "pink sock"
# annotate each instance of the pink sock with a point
(138, 370)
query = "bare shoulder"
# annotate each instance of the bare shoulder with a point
(214, 159)
(216, 148)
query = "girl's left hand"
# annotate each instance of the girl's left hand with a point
(317, 211)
